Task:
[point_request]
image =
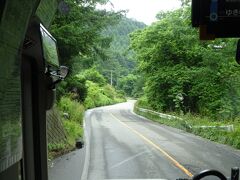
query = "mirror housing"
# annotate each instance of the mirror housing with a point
(63, 72)
(52, 78)
(53, 71)
(58, 75)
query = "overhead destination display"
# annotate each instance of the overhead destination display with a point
(216, 18)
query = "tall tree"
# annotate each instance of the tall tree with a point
(184, 74)
(121, 60)
(79, 31)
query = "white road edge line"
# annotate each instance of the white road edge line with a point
(87, 150)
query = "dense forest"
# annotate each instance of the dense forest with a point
(94, 45)
(164, 65)
(175, 71)
(121, 58)
(183, 74)
(121, 61)
(81, 45)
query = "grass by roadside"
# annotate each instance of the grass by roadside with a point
(189, 123)
(72, 125)
(74, 121)
(72, 113)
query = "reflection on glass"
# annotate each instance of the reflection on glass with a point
(49, 47)
(10, 123)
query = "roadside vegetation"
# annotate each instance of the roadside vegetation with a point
(183, 74)
(196, 80)
(93, 43)
(224, 132)
(77, 94)
(164, 65)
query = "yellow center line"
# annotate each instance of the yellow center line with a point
(177, 164)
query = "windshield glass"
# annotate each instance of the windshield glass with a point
(10, 88)
(145, 98)
(177, 88)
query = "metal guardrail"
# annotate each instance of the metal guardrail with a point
(166, 116)
(228, 128)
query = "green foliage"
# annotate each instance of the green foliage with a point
(183, 74)
(97, 96)
(127, 84)
(79, 31)
(94, 76)
(143, 103)
(119, 33)
(56, 147)
(74, 85)
(73, 108)
(190, 124)
(72, 125)
(92, 44)
(85, 47)
(120, 59)
(101, 96)
(73, 130)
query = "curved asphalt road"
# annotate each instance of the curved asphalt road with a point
(122, 145)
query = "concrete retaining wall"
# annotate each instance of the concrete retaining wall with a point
(55, 130)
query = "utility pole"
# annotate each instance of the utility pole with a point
(111, 78)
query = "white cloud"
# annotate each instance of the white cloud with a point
(144, 10)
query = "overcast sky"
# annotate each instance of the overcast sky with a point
(144, 10)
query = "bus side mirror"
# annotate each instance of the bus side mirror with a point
(63, 72)
(54, 72)
(52, 78)
(58, 75)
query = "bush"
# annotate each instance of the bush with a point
(72, 125)
(127, 84)
(73, 108)
(143, 102)
(56, 147)
(94, 76)
(73, 130)
(96, 97)
(101, 96)
(73, 85)
(93, 94)
(109, 91)
(77, 85)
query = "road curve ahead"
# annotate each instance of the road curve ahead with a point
(122, 145)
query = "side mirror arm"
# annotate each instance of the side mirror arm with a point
(58, 75)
